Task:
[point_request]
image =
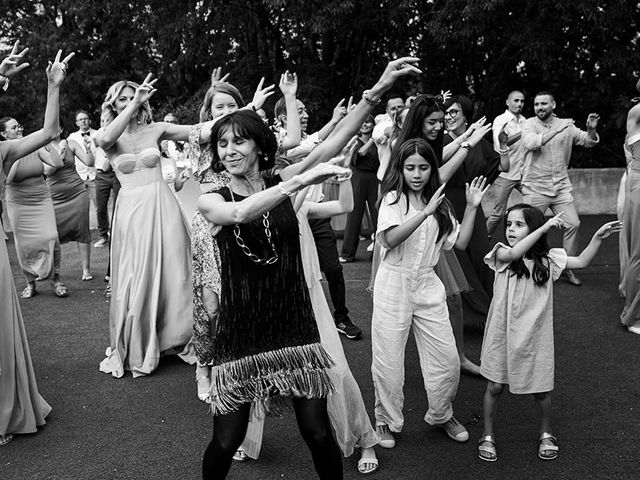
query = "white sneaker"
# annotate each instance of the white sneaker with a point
(386, 437)
(370, 247)
(103, 242)
(455, 430)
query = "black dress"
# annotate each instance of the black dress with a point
(266, 342)
(481, 160)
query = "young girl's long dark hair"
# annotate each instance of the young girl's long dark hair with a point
(538, 253)
(394, 180)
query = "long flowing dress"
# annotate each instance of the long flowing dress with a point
(347, 413)
(33, 220)
(22, 408)
(151, 311)
(265, 342)
(630, 316)
(70, 202)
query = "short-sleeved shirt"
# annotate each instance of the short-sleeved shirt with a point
(420, 251)
(517, 348)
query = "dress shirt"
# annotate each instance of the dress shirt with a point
(86, 173)
(545, 166)
(513, 125)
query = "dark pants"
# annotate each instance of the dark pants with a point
(330, 265)
(105, 183)
(365, 190)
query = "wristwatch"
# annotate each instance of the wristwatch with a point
(465, 145)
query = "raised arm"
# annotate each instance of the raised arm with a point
(474, 194)
(87, 157)
(108, 136)
(521, 248)
(289, 87)
(344, 204)
(12, 150)
(348, 127)
(216, 210)
(447, 170)
(533, 141)
(584, 259)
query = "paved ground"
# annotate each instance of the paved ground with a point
(155, 428)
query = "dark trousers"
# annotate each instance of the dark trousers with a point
(105, 183)
(365, 191)
(327, 248)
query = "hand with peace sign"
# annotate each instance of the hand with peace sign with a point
(9, 66)
(146, 90)
(57, 71)
(395, 69)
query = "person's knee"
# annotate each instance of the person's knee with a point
(572, 223)
(495, 389)
(226, 445)
(316, 435)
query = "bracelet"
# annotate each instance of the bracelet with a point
(283, 190)
(465, 145)
(370, 101)
(503, 151)
(5, 82)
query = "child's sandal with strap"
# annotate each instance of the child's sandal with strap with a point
(488, 453)
(546, 450)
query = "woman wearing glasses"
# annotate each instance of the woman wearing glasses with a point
(482, 160)
(32, 216)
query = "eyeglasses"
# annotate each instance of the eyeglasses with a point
(83, 119)
(16, 128)
(453, 113)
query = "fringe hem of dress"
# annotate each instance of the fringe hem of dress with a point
(298, 371)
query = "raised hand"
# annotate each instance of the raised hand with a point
(592, 121)
(322, 172)
(478, 134)
(446, 95)
(9, 65)
(57, 71)
(350, 104)
(608, 229)
(435, 201)
(555, 222)
(339, 112)
(185, 175)
(396, 69)
(288, 84)
(146, 90)
(261, 94)
(216, 75)
(474, 126)
(476, 190)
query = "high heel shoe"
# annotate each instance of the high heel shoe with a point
(204, 385)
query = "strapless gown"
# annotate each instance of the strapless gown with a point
(22, 408)
(151, 304)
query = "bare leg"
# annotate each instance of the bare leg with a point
(85, 257)
(543, 406)
(454, 304)
(211, 305)
(489, 407)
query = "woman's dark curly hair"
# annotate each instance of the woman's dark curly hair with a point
(248, 125)
(540, 250)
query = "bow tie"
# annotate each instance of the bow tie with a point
(85, 134)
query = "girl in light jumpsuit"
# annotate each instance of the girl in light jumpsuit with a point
(415, 223)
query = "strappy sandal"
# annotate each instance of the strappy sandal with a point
(204, 385)
(548, 451)
(367, 465)
(488, 453)
(240, 456)
(29, 291)
(4, 439)
(60, 289)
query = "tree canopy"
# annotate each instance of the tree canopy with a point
(585, 51)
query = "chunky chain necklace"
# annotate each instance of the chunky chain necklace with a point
(267, 231)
